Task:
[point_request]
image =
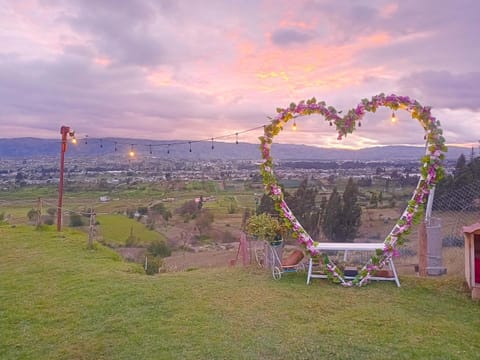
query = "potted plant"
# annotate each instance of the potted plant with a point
(265, 227)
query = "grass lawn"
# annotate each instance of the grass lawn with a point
(115, 229)
(59, 300)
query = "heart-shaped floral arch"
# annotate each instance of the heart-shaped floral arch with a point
(431, 172)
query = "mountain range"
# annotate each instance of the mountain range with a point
(11, 148)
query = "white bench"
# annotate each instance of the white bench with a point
(346, 247)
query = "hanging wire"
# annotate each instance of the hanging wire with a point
(117, 143)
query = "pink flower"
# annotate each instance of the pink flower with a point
(276, 190)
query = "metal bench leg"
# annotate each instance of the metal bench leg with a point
(309, 271)
(392, 266)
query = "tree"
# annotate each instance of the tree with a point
(351, 211)
(374, 200)
(188, 210)
(204, 221)
(341, 220)
(332, 218)
(303, 205)
(463, 174)
(266, 206)
(160, 209)
(246, 215)
(380, 197)
(20, 179)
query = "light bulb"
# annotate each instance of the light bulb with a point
(294, 127)
(394, 118)
(74, 141)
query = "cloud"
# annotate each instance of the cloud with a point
(285, 37)
(196, 69)
(444, 89)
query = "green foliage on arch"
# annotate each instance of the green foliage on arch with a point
(431, 171)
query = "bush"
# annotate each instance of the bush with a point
(204, 221)
(152, 265)
(453, 241)
(159, 248)
(142, 210)
(76, 220)
(188, 210)
(49, 221)
(3, 219)
(132, 241)
(228, 237)
(32, 214)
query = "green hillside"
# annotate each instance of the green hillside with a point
(59, 300)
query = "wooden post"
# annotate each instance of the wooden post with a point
(422, 249)
(244, 249)
(91, 232)
(39, 212)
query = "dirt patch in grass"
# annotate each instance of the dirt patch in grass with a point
(184, 260)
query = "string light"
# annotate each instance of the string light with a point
(132, 153)
(394, 118)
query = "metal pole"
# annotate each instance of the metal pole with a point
(428, 211)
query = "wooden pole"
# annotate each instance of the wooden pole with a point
(91, 232)
(39, 212)
(422, 249)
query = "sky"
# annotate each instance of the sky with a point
(191, 70)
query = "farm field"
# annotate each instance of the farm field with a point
(114, 227)
(59, 300)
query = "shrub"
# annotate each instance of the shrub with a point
(49, 221)
(142, 210)
(3, 219)
(32, 214)
(188, 210)
(132, 241)
(159, 248)
(204, 221)
(152, 265)
(76, 220)
(228, 237)
(453, 241)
